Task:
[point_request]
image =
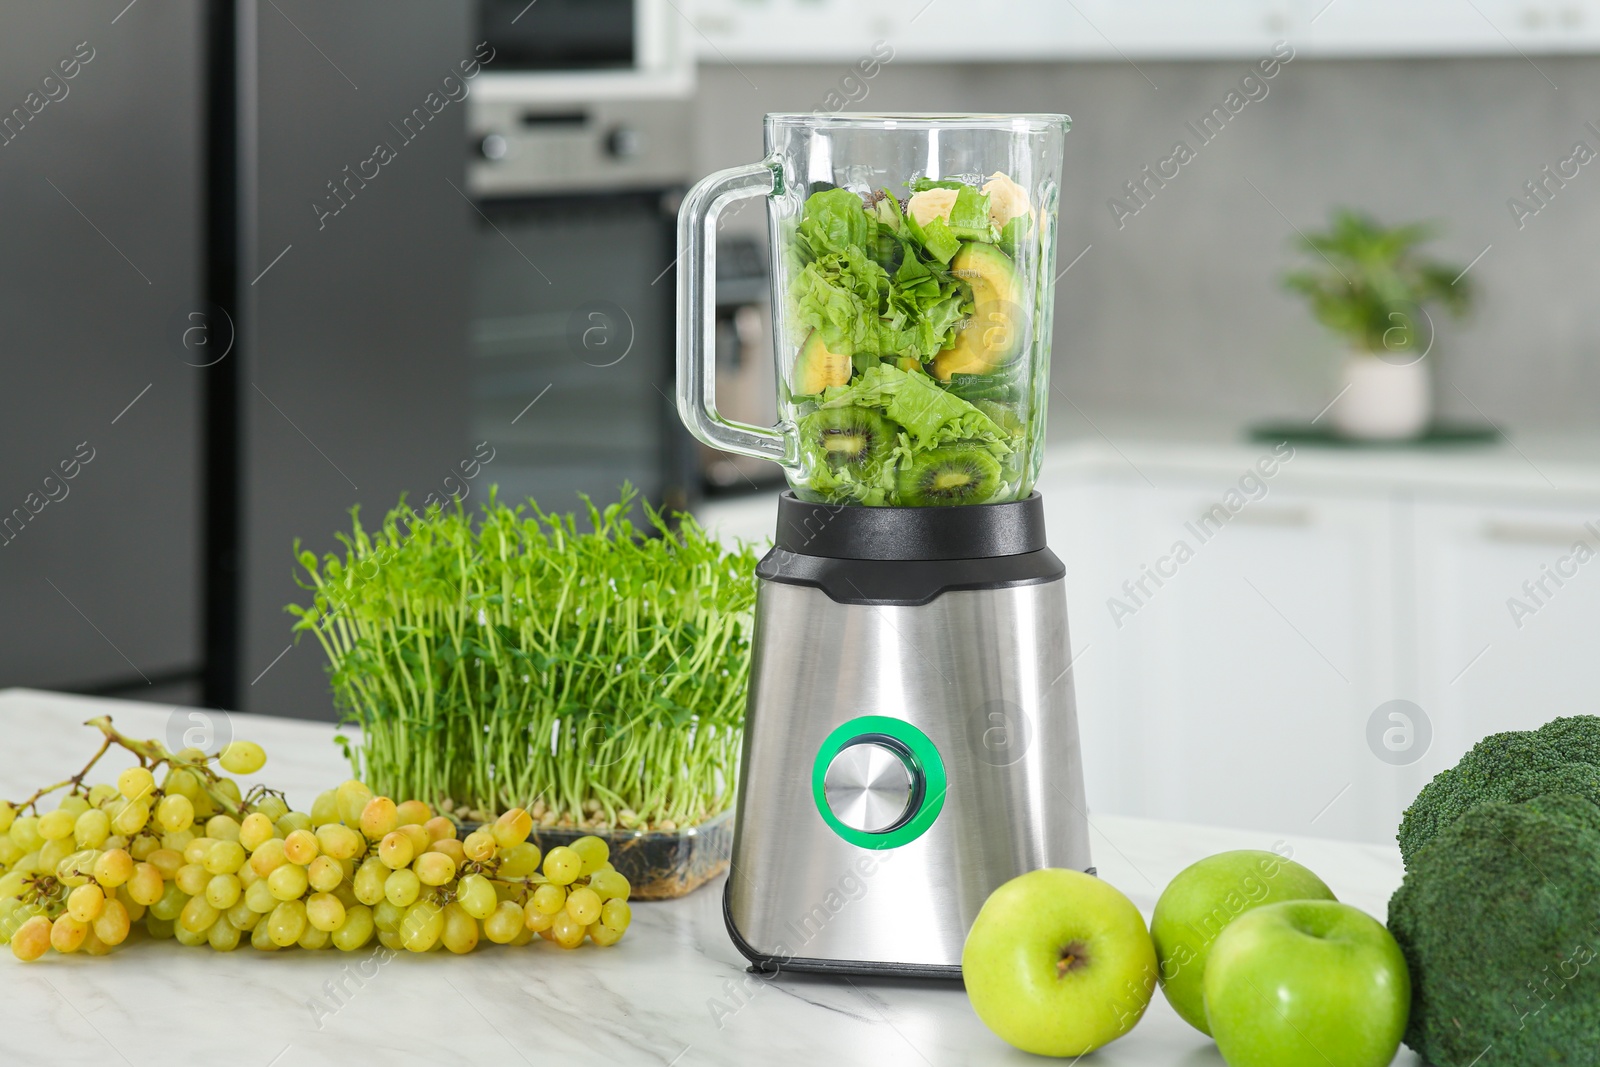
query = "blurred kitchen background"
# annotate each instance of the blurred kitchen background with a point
(263, 261)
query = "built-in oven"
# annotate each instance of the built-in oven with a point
(580, 151)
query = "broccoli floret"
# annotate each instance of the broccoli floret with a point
(1499, 920)
(1577, 737)
(1563, 756)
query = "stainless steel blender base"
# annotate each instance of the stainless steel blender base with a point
(972, 690)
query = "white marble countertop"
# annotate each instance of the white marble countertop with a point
(673, 992)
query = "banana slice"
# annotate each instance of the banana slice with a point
(931, 204)
(1007, 199)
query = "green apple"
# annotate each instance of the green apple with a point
(1059, 963)
(1199, 904)
(1307, 983)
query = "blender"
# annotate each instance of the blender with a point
(911, 737)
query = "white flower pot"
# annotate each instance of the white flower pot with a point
(1382, 401)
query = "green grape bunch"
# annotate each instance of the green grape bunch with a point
(196, 860)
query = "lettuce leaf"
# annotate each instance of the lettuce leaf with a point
(1015, 236)
(836, 484)
(835, 220)
(839, 295)
(929, 415)
(937, 238)
(924, 310)
(969, 216)
(872, 281)
(919, 185)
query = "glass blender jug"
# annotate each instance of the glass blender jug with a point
(912, 273)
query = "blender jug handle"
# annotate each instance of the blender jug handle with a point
(697, 308)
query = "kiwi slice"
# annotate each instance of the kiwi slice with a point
(848, 437)
(954, 474)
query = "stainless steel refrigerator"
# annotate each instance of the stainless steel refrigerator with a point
(267, 259)
(101, 429)
(222, 348)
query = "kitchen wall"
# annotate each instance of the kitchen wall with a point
(1176, 309)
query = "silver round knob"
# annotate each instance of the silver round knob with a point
(868, 786)
(494, 147)
(625, 142)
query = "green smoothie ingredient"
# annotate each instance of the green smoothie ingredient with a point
(913, 312)
(496, 657)
(1496, 916)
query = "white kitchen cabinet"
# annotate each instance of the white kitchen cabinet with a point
(993, 30)
(1442, 27)
(1085, 521)
(1241, 690)
(1011, 30)
(1507, 619)
(1237, 689)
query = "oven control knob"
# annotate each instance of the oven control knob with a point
(493, 147)
(871, 786)
(624, 142)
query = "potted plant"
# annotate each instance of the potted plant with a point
(1370, 286)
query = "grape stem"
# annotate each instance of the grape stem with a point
(528, 883)
(152, 753)
(76, 781)
(259, 792)
(45, 889)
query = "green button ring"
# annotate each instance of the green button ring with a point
(924, 761)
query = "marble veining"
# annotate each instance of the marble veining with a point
(673, 993)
